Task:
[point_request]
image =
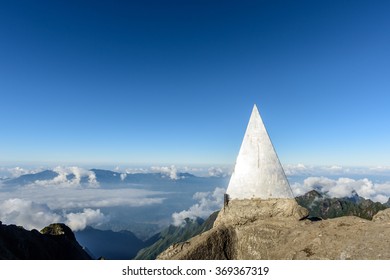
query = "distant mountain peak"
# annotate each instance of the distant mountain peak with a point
(59, 229)
(354, 197)
(313, 194)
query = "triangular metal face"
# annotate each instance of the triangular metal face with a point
(258, 172)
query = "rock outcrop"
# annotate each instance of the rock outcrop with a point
(59, 230)
(382, 217)
(55, 242)
(277, 231)
(242, 212)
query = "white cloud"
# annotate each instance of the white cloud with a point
(216, 172)
(33, 215)
(294, 169)
(27, 214)
(123, 176)
(208, 202)
(380, 168)
(56, 197)
(63, 181)
(191, 169)
(14, 172)
(380, 198)
(170, 171)
(300, 189)
(79, 221)
(136, 170)
(334, 170)
(336, 167)
(343, 187)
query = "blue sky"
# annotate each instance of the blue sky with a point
(147, 82)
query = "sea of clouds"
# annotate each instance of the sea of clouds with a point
(33, 215)
(332, 180)
(43, 202)
(78, 203)
(173, 171)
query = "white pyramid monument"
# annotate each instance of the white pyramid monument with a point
(258, 172)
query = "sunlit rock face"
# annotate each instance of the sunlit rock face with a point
(258, 172)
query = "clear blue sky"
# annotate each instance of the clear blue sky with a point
(175, 81)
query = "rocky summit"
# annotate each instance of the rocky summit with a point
(277, 229)
(261, 220)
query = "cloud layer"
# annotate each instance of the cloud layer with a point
(76, 198)
(343, 187)
(60, 199)
(208, 202)
(173, 170)
(334, 170)
(170, 171)
(33, 215)
(13, 172)
(217, 172)
(56, 197)
(78, 221)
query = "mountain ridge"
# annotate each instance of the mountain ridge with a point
(322, 206)
(121, 245)
(102, 176)
(54, 242)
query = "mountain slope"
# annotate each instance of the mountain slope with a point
(122, 245)
(31, 178)
(174, 234)
(387, 204)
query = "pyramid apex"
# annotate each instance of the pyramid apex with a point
(258, 172)
(255, 108)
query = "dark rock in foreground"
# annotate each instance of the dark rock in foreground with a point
(54, 242)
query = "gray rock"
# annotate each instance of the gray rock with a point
(274, 231)
(240, 212)
(382, 216)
